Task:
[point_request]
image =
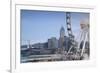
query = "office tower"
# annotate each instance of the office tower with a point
(52, 43)
(61, 38)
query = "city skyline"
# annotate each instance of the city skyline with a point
(38, 26)
(52, 41)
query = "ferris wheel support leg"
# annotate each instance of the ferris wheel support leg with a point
(80, 39)
(83, 48)
(69, 50)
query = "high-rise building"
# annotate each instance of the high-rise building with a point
(52, 43)
(62, 32)
(61, 38)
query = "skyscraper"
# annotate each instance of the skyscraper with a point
(52, 43)
(62, 32)
(61, 38)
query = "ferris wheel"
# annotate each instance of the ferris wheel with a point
(80, 52)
